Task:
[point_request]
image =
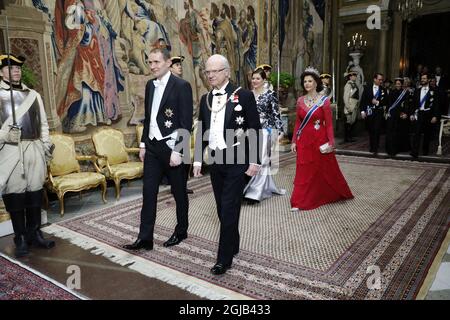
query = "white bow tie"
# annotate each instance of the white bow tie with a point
(219, 92)
(158, 83)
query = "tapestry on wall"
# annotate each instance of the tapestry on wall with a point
(309, 49)
(292, 34)
(102, 47)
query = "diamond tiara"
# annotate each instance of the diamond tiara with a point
(312, 70)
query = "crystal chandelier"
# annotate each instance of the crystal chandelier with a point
(409, 9)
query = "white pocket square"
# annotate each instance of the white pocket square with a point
(238, 108)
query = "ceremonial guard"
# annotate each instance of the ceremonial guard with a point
(176, 67)
(326, 83)
(25, 149)
(351, 102)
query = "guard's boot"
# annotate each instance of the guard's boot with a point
(349, 134)
(21, 246)
(35, 236)
(18, 222)
(346, 132)
(41, 242)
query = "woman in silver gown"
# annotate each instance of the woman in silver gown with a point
(262, 186)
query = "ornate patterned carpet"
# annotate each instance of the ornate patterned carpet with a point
(395, 225)
(20, 283)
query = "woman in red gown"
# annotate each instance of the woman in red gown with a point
(318, 179)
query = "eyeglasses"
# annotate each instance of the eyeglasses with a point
(212, 72)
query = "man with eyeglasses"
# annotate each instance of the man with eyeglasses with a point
(167, 126)
(373, 105)
(229, 129)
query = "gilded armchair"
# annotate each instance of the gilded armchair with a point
(139, 131)
(113, 157)
(64, 173)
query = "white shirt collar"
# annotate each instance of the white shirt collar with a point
(164, 79)
(222, 89)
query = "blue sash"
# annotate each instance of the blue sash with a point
(309, 115)
(396, 103)
(376, 96)
(422, 102)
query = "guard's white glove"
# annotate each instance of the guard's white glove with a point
(49, 148)
(11, 136)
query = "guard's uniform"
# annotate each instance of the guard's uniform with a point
(24, 165)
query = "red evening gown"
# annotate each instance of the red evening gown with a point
(318, 179)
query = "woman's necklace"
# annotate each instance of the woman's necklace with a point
(309, 101)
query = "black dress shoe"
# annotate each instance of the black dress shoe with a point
(139, 244)
(189, 191)
(219, 269)
(174, 240)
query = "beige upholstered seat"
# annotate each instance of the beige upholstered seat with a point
(139, 131)
(113, 157)
(64, 174)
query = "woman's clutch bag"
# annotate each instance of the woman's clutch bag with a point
(323, 148)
